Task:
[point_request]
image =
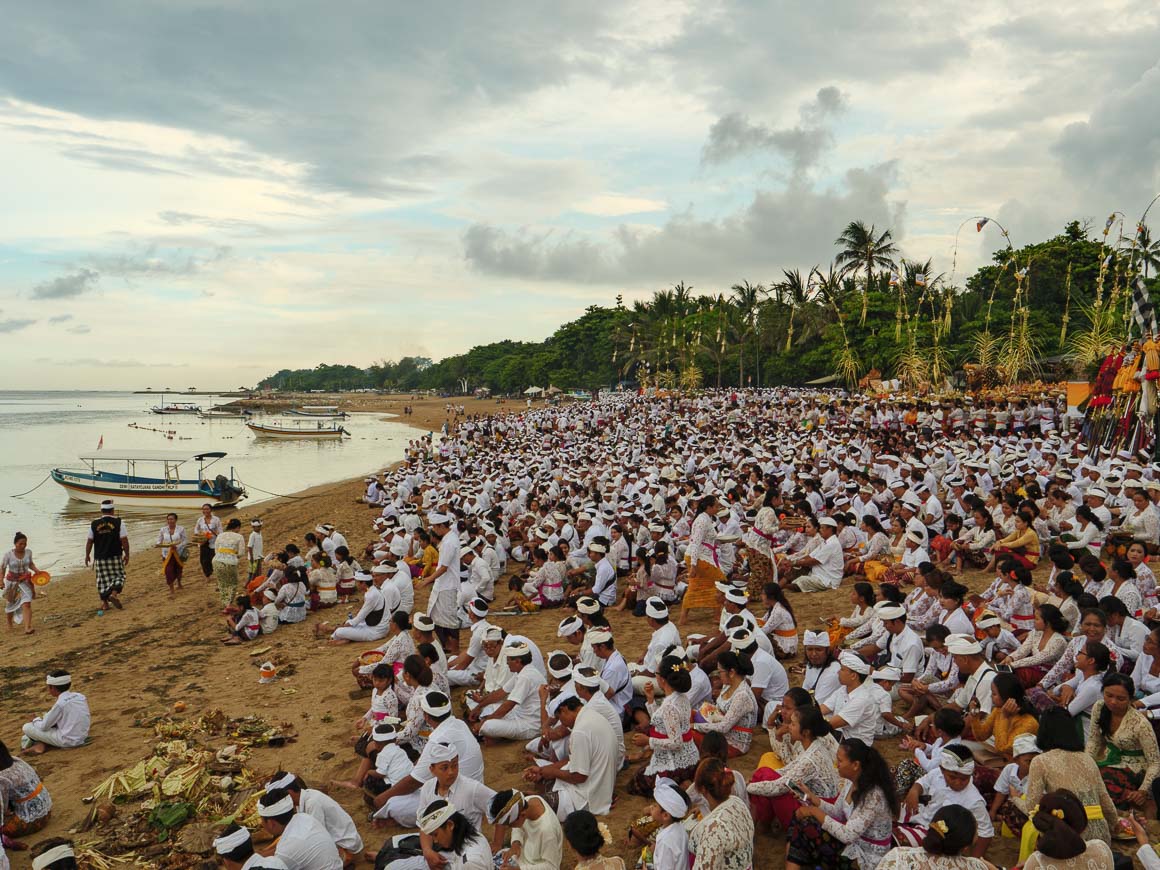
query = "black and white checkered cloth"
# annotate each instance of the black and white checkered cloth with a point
(110, 575)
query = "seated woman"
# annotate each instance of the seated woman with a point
(734, 713)
(788, 558)
(1087, 538)
(323, 583)
(1022, 544)
(25, 803)
(778, 623)
(1081, 692)
(1062, 835)
(770, 791)
(1123, 744)
(395, 648)
(1093, 626)
(875, 569)
(994, 733)
(854, 830)
(1041, 647)
(655, 577)
(291, 600)
(945, 846)
(875, 547)
(914, 554)
(245, 624)
(972, 548)
(862, 598)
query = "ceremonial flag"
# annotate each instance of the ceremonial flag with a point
(920, 279)
(1108, 223)
(893, 279)
(980, 224)
(1142, 310)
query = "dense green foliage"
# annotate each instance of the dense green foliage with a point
(897, 317)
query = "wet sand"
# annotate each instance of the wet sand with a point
(157, 651)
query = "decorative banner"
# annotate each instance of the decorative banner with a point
(1143, 311)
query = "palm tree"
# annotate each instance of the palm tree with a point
(1149, 250)
(800, 294)
(864, 249)
(747, 299)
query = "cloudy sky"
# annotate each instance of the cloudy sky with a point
(200, 193)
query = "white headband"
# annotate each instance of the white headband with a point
(569, 626)
(668, 797)
(588, 605)
(58, 853)
(587, 680)
(62, 680)
(559, 673)
(428, 707)
(599, 635)
(423, 622)
(439, 752)
(433, 820)
(477, 606)
(656, 608)
(816, 638)
(225, 845)
(517, 649)
(279, 809)
(285, 782)
(854, 662)
(949, 761)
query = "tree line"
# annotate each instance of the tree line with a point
(1065, 300)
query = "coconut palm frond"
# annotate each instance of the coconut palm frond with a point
(1020, 353)
(847, 366)
(1104, 332)
(985, 349)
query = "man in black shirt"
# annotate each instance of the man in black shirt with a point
(108, 549)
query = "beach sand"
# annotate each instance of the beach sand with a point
(157, 651)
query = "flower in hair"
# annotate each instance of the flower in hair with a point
(1057, 813)
(940, 826)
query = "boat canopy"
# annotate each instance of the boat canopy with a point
(149, 456)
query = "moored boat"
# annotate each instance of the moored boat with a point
(177, 408)
(133, 484)
(224, 414)
(318, 430)
(325, 412)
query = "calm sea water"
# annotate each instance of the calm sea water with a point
(43, 430)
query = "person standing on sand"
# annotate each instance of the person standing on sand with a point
(206, 531)
(17, 568)
(107, 549)
(174, 547)
(443, 605)
(228, 547)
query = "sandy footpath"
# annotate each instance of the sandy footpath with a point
(159, 651)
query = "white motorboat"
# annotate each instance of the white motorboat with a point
(318, 430)
(150, 478)
(176, 408)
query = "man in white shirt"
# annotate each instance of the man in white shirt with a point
(65, 725)
(614, 669)
(854, 709)
(400, 801)
(904, 647)
(587, 779)
(443, 603)
(826, 562)
(466, 669)
(517, 717)
(467, 795)
(769, 680)
(665, 635)
(325, 809)
(303, 843)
